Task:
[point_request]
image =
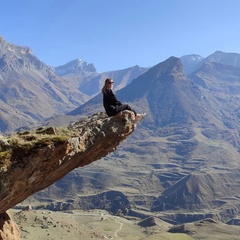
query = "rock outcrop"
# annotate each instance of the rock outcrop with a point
(8, 229)
(32, 160)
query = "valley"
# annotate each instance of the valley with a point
(99, 224)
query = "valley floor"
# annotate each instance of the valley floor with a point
(99, 224)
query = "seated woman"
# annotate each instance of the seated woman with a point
(112, 105)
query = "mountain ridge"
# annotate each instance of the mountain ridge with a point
(30, 91)
(75, 66)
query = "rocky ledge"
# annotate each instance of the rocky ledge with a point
(32, 160)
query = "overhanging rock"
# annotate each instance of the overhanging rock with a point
(33, 160)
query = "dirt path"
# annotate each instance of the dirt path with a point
(118, 230)
(115, 218)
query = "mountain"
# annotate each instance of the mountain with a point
(94, 85)
(195, 192)
(76, 66)
(190, 62)
(223, 83)
(121, 79)
(77, 72)
(30, 90)
(217, 77)
(166, 91)
(165, 94)
(193, 62)
(88, 81)
(231, 59)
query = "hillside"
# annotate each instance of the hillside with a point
(30, 90)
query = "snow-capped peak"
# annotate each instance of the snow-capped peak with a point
(75, 66)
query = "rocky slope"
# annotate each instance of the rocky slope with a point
(30, 90)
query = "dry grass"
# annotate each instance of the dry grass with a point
(96, 224)
(169, 236)
(23, 143)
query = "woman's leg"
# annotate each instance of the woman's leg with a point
(123, 107)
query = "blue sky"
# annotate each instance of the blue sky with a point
(117, 34)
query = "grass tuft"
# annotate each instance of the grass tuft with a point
(17, 146)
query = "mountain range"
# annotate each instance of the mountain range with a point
(184, 155)
(31, 91)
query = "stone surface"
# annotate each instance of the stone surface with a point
(38, 160)
(8, 229)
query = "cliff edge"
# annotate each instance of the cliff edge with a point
(32, 160)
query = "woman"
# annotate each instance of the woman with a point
(111, 104)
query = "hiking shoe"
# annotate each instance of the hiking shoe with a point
(140, 116)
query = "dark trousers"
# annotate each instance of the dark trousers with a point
(123, 107)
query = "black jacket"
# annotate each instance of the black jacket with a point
(110, 102)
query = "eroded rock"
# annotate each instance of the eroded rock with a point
(8, 229)
(31, 161)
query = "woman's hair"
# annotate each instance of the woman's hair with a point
(105, 87)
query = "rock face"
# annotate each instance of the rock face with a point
(8, 229)
(31, 161)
